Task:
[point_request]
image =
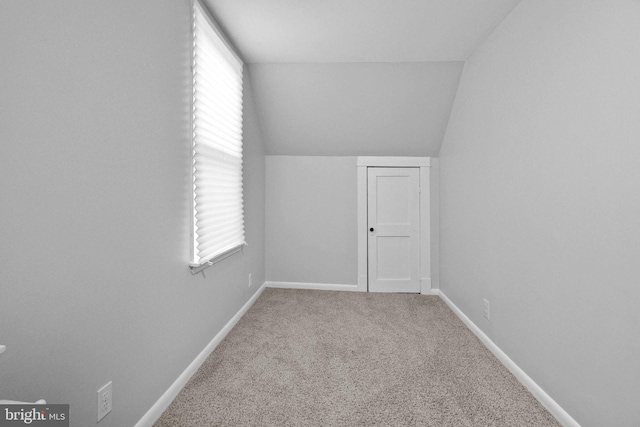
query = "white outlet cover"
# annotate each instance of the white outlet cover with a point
(105, 398)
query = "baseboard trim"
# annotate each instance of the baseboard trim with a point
(552, 406)
(154, 413)
(315, 286)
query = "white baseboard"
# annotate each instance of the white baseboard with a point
(165, 400)
(315, 286)
(552, 406)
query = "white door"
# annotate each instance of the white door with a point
(393, 200)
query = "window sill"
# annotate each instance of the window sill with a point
(197, 268)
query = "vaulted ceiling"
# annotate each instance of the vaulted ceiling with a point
(356, 77)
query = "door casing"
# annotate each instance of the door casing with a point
(424, 165)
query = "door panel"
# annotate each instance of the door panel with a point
(394, 200)
(394, 244)
(393, 258)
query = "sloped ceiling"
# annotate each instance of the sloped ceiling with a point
(358, 30)
(351, 109)
(356, 77)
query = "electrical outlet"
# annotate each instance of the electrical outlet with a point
(250, 280)
(105, 396)
(487, 309)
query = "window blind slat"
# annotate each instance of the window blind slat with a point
(214, 204)
(225, 139)
(226, 237)
(223, 230)
(214, 156)
(223, 124)
(227, 97)
(227, 216)
(218, 223)
(206, 77)
(210, 254)
(226, 120)
(227, 175)
(207, 63)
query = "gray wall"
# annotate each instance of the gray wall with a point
(540, 202)
(355, 109)
(311, 218)
(95, 188)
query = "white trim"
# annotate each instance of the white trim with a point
(363, 282)
(425, 228)
(198, 267)
(424, 163)
(394, 162)
(434, 207)
(154, 413)
(425, 286)
(552, 406)
(315, 286)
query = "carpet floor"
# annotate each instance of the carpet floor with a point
(323, 358)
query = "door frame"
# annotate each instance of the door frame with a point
(424, 164)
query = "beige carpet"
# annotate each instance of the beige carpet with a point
(320, 358)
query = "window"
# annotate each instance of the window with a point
(217, 220)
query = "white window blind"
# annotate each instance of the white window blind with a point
(218, 224)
